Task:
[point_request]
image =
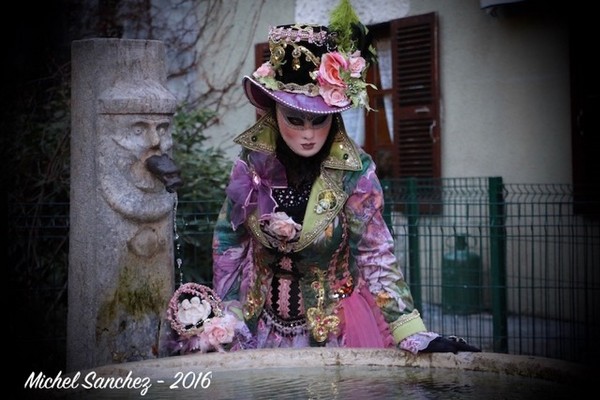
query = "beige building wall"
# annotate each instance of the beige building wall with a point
(505, 90)
(252, 26)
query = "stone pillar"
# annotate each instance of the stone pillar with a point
(121, 271)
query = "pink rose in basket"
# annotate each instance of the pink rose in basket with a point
(219, 330)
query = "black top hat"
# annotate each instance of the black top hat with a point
(314, 68)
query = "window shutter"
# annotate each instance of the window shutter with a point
(261, 54)
(416, 96)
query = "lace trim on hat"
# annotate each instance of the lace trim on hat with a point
(297, 33)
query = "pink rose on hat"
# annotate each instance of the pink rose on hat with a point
(264, 71)
(330, 70)
(334, 95)
(356, 64)
(340, 79)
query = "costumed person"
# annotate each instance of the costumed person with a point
(301, 252)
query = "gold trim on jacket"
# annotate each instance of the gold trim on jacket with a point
(327, 197)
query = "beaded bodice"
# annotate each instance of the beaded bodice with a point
(285, 298)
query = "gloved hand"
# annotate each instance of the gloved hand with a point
(450, 344)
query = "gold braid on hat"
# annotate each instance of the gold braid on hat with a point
(278, 54)
(281, 37)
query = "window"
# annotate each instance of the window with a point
(409, 103)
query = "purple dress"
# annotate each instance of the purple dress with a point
(313, 266)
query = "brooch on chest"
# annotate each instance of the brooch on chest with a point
(326, 201)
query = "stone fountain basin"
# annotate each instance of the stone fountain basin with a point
(333, 373)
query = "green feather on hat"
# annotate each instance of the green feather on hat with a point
(351, 33)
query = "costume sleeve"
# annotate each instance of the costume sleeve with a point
(231, 258)
(372, 247)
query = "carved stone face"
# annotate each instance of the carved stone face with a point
(126, 141)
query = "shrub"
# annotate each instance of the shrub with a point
(205, 172)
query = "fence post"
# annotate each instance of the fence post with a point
(414, 263)
(498, 265)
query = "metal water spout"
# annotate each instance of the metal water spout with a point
(164, 168)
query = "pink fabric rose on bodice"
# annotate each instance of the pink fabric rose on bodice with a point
(281, 226)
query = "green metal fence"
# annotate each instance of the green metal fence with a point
(511, 268)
